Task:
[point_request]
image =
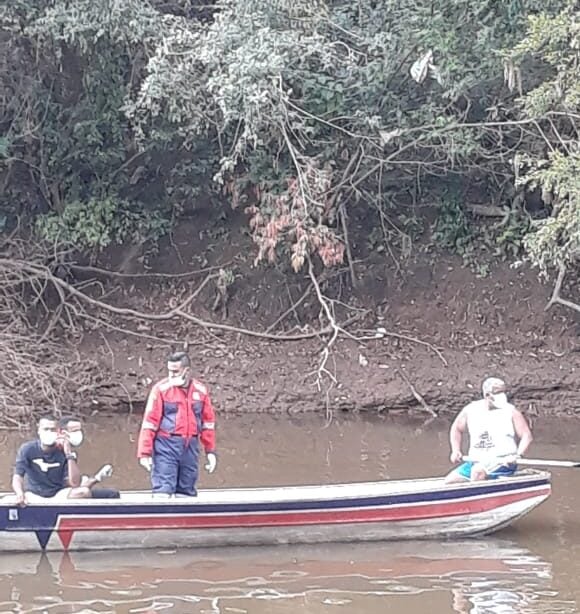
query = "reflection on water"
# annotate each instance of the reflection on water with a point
(491, 576)
(531, 568)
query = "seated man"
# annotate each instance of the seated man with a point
(498, 435)
(71, 428)
(44, 469)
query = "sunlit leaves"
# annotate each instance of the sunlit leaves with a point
(554, 167)
(556, 240)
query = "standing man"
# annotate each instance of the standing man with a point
(178, 415)
(498, 435)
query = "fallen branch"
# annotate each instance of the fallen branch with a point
(36, 381)
(349, 259)
(556, 298)
(322, 370)
(41, 270)
(30, 286)
(291, 309)
(355, 160)
(109, 273)
(417, 396)
(385, 333)
(487, 210)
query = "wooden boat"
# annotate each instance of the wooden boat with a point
(365, 511)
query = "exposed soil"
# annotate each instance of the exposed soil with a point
(464, 329)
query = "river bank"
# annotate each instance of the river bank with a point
(418, 339)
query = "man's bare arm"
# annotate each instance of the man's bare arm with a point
(18, 488)
(458, 427)
(18, 485)
(74, 474)
(522, 431)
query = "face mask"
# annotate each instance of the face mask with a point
(499, 400)
(47, 438)
(75, 438)
(178, 380)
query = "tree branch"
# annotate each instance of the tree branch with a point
(556, 298)
(417, 396)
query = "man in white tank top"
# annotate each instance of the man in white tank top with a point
(498, 435)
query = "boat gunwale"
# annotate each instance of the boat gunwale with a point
(205, 496)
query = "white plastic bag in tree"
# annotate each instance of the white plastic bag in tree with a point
(423, 67)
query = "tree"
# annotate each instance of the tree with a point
(314, 107)
(552, 166)
(119, 111)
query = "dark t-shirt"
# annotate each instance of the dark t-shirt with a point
(45, 472)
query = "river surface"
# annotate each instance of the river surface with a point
(532, 567)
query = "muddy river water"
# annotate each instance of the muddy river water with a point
(531, 567)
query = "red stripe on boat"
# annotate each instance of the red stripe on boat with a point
(283, 518)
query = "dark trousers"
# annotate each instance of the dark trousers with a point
(175, 465)
(105, 493)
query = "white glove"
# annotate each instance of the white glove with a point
(146, 462)
(211, 462)
(106, 471)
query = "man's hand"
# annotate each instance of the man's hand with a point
(146, 462)
(65, 442)
(104, 472)
(211, 462)
(456, 456)
(21, 499)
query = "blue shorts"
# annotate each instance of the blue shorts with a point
(464, 470)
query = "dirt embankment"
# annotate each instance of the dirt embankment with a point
(441, 330)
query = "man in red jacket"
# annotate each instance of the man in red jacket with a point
(178, 415)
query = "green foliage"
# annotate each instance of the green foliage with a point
(479, 244)
(4, 147)
(292, 89)
(85, 144)
(292, 108)
(556, 240)
(510, 237)
(452, 229)
(96, 224)
(555, 42)
(70, 139)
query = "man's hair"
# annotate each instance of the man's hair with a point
(66, 420)
(180, 357)
(48, 417)
(490, 384)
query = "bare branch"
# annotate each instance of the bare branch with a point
(109, 273)
(556, 298)
(417, 396)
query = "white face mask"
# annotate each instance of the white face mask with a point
(75, 438)
(499, 400)
(180, 380)
(47, 438)
(177, 380)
